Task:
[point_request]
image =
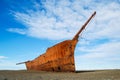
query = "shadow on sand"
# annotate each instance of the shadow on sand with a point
(84, 71)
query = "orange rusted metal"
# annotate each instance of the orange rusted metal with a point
(59, 57)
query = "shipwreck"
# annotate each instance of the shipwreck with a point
(59, 57)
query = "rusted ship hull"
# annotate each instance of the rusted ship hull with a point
(57, 58)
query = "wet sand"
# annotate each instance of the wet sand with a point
(42, 75)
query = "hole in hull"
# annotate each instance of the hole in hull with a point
(59, 68)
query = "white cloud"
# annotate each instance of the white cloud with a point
(10, 65)
(103, 56)
(57, 21)
(2, 57)
(106, 24)
(62, 19)
(17, 30)
(109, 49)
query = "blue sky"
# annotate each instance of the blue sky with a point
(29, 27)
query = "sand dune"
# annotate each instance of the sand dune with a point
(41, 75)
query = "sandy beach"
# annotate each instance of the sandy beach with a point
(42, 75)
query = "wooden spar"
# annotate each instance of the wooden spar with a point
(83, 27)
(21, 63)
